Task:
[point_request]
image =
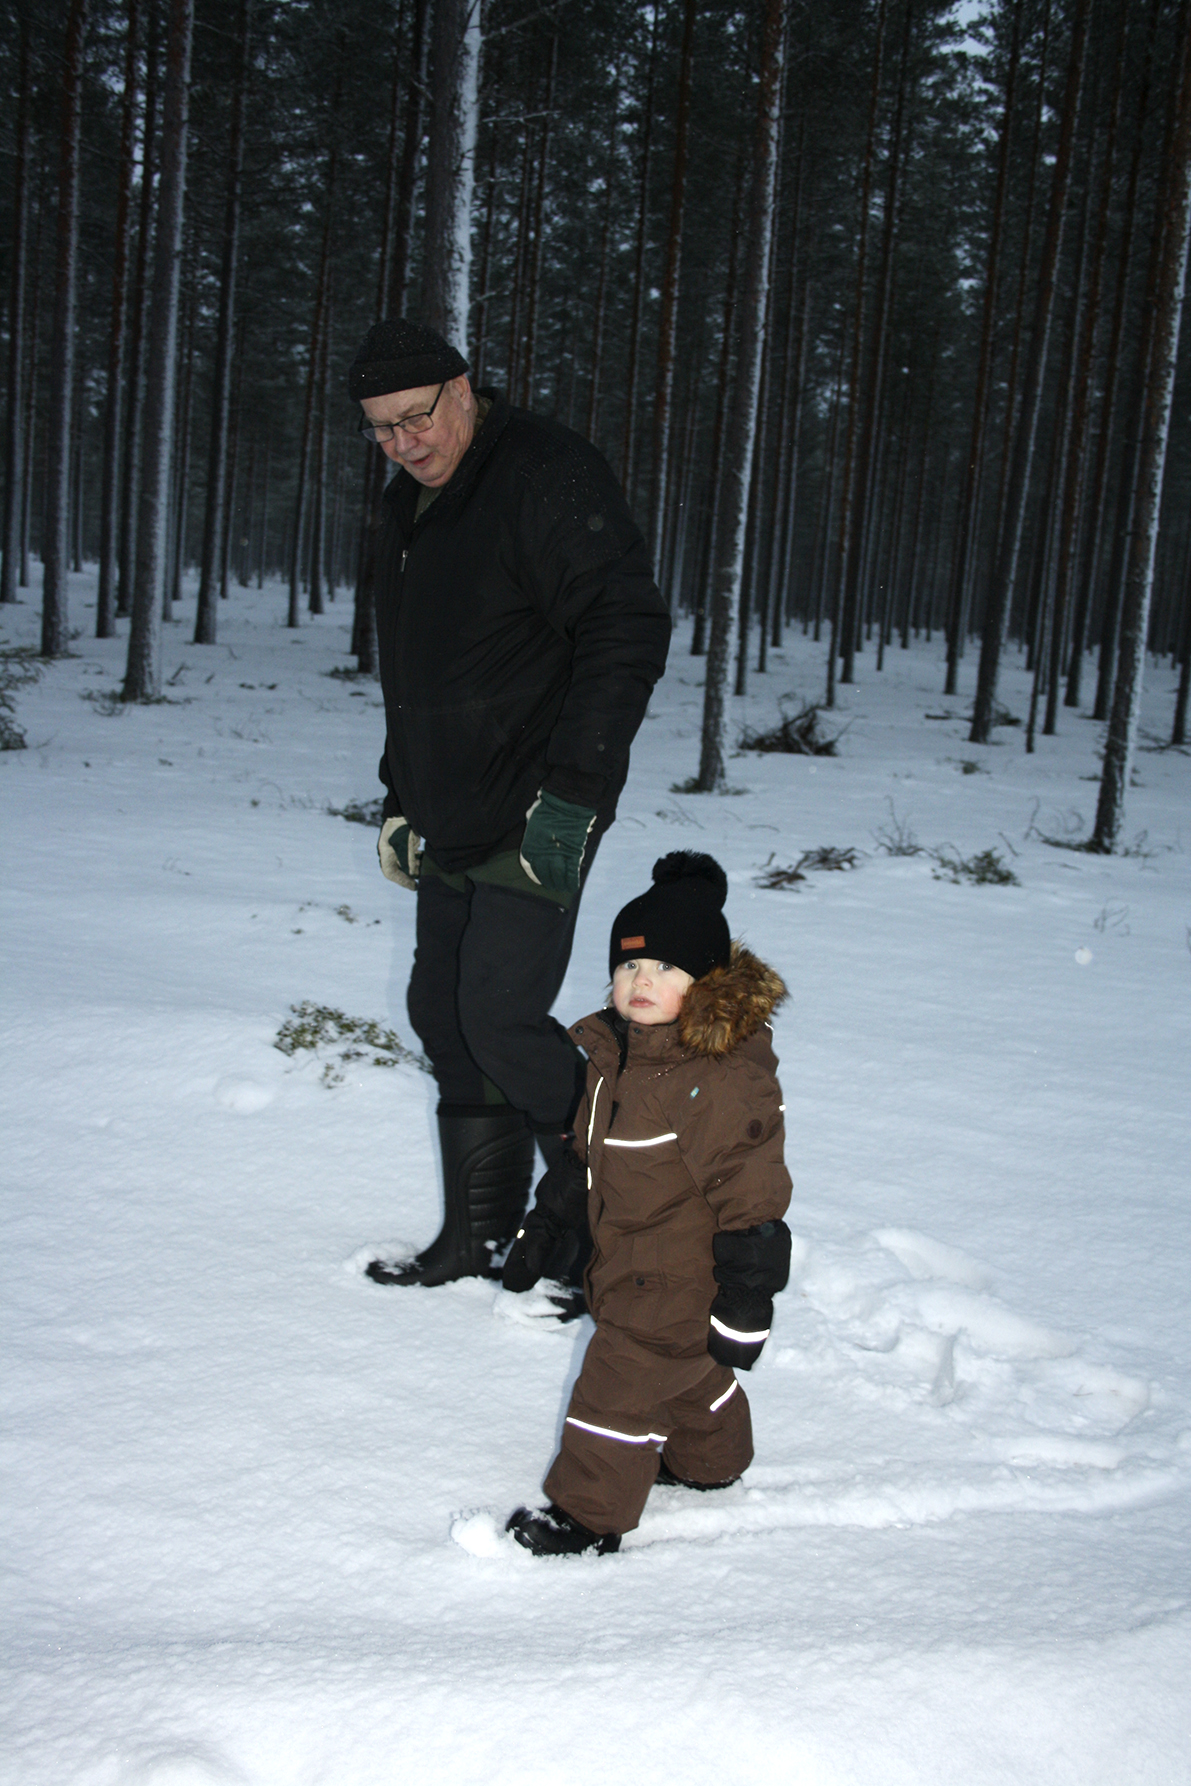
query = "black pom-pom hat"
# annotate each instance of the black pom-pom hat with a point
(680, 919)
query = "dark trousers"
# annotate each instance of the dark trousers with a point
(487, 967)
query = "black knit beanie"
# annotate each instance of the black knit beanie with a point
(398, 355)
(679, 920)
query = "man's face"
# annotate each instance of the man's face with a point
(433, 457)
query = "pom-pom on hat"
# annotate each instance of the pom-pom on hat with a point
(398, 355)
(679, 920)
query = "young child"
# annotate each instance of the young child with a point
(678, 1161)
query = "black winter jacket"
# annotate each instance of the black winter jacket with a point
(520, 632)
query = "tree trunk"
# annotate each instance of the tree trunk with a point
(318, 324)
(1164, 304)
(1098, 482)
(76, 466)
(1178, 729)
(742, 420)
(364, 616)
(180, 504)
(628, 450)
(782, 572)
(534, 258)
(14, 445)
(753, 547)
(911, 609)
(758, 534)
(482, 301)
(318, 516)
(1001, 592)
(29, 427)
(970, 502)
(892, 580)
(1026, 262)
(825, 528)
(848, 543)
(790, 429)
(601, 297)
(233, 454)
(392, 279)
(389, 210)
(668, 315)
(1130, 426)
(134, 375)
(415, 113)
(520, 258)
(676, 535)
(105, 604)
(263, 529)
(723, 400)
(1075, 473)
(1040, 606)
(866, 444)
(450, 167)
(205, 626)
(55, 617)
(142, 681)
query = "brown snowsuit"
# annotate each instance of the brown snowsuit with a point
(683, 1134)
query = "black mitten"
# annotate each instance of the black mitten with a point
(751, 1266)
(549, 1239)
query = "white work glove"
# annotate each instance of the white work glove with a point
(400, 851)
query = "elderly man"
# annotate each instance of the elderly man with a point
(520, 634)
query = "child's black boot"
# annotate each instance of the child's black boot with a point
(551, 1532)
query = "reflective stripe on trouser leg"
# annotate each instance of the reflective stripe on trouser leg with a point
(712, 1436)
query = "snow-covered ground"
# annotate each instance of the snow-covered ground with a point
(253, 1500)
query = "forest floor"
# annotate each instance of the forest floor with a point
(254, 1501)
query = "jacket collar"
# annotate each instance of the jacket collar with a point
(610, 1041)
(404, 489)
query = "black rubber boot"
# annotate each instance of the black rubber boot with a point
(487, 1163)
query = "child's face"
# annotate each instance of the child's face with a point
(649, 991)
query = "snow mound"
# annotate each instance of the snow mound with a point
(480, 1534)
(945, 1401)
(927, 1258)
(200, 1767)
(244, 1096)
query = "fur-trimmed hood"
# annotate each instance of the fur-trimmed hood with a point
(729, 1004)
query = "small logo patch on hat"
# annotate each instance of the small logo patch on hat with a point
(632, 942)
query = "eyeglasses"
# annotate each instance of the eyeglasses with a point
(380, 432)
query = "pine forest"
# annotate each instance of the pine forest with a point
(873, 307)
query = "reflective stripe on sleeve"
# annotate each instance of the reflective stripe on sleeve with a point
(729, 1392)
(607, 1432)
(746, 1339)
(651, 1141)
